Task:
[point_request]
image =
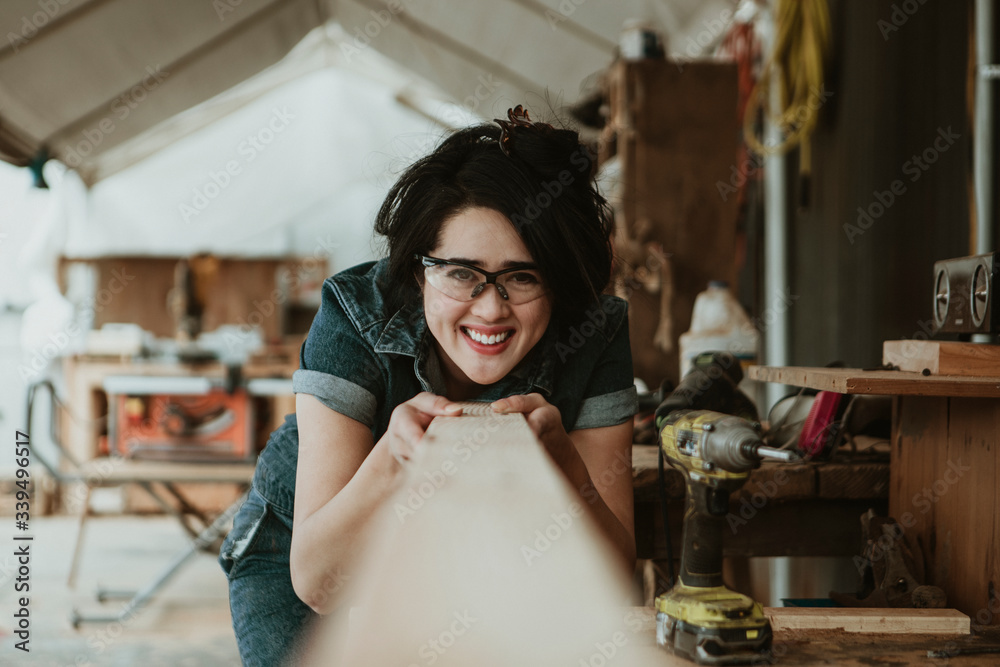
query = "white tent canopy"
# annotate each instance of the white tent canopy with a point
(84, 78)
(305, 154)
(281, 124)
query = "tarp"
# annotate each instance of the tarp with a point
(84, 78)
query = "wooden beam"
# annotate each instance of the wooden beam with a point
(486, 557)
(883, 621)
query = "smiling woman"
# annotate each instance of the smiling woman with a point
(484, 278)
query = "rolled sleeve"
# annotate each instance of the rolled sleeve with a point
(338, 394)
(337, 364)
(610, 397)
(608, 409)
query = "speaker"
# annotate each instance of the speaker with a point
(965, 296)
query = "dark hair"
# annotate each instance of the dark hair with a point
(545, 187)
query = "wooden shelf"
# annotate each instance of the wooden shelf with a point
(890, 383)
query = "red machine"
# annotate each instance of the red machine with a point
(214, 426)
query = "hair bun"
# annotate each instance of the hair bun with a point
(547, 150)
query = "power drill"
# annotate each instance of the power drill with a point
(699, 617)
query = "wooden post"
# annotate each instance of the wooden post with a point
(486, 557)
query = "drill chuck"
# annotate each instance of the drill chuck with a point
(731, 444)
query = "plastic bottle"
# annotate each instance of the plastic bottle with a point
(719, 324)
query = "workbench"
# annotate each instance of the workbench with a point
(944, 472)
(802, 509)
(86, 399)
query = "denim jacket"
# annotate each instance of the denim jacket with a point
(362, 362)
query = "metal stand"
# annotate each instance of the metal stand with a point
(202, 541)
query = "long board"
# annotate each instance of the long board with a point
(486, 557)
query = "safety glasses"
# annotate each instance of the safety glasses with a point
(518, 284)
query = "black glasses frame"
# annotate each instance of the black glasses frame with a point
(491, 276)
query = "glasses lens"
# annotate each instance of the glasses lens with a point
(463, 283)
(457, 282)
(522, 286)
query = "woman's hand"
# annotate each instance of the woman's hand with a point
(410, 420)
(545, 421)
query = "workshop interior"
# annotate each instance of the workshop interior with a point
(805, 233)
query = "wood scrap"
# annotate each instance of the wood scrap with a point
(854, 619)
(943, 357)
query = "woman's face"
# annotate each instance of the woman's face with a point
(486, 239)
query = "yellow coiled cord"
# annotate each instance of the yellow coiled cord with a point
(803, 39)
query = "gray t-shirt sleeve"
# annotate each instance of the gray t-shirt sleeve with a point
(610, 397)
(337, 365)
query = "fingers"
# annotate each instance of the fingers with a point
(519, 403)
(435, 405)
(410, 420)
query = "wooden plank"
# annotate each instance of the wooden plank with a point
(883, 621)
(490, 554)
(943, 357)
(886, 383)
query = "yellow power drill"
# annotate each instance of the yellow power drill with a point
(699, 617)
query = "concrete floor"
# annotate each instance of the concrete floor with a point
(187, 623)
